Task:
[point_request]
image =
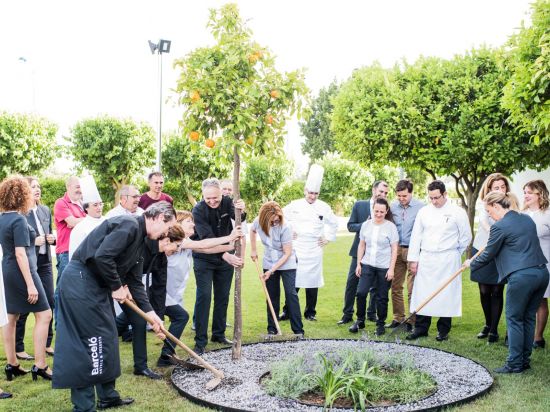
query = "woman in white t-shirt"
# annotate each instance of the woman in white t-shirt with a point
(376, 256)
(179, 266)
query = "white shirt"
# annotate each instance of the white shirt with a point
(81, 230)
(378, 241)
(41, 232)
(179, 266)
(439, 229)
(120, 211)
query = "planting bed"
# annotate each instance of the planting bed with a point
(458, 379)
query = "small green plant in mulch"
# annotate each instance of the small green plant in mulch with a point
(349, 378)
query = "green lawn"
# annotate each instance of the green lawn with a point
(526, 392)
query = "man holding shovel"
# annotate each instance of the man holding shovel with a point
(440, 235)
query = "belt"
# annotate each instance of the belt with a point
(404, 246)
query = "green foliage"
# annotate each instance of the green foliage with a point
(27, 144)
(52, 189)
(527, 93)
(115, 150)
(441, 116)
(263, 180)
(344, 181)
(186, 165)
(289, 378)
(233, 93)
(292, 191)
(319, 140)
(331, 380)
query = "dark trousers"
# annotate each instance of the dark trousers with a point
(62, 262)
(422, 324)
(292, 305)
(178, 319)
(311, 302)
(373, 277)
(44, 269)
(523, 296)
(351, 292)
(211, 276)
(83, 399)
(139, 338)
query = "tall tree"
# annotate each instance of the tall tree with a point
(27, 144)
(441, 116)
(319, 139)
(527, 93)
(189, 164)
(115, 150)
(236, 102)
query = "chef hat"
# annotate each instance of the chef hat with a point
(90, 194)
(314, 178)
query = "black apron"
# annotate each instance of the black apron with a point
(86, 345)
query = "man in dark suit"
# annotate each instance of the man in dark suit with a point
(40, 219)
(362, 210)
(515, 247)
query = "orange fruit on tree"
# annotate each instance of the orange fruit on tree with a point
(210, 143)
(275, 94)
(194, 136)
(269, 119)
(253, 58)
(249, 140)
(259, 54)
(195, 96)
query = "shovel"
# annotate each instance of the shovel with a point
(434, 294)
(279, 333)
(218, 375)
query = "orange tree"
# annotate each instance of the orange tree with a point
(236, 102)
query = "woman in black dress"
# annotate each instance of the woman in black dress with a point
(23, 288)
(40, 219)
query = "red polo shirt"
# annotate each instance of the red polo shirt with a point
(62, 209)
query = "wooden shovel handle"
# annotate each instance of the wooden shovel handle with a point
(182, 345)
(268, 298)
(446, 283)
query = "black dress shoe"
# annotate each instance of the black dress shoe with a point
(371, 318)
(484, 332)
(222, 339)
(5, 395)
(358, 324)
(343, 321)
(492, 338)
(165, 361)
(283, 316)
(441, 337)
(409, 327)
(393, 324)
(380, 330)
(507, 369)
(148, 373)
(114, 403)
(199, 350)
(539, 344)
(127, 335)
(416, 334)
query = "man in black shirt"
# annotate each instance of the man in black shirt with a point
(107, 265)
(212, 216)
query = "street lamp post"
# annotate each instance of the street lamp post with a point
(163, 46)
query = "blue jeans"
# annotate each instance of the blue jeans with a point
(523, 296)
(62, 262)
(178, 319)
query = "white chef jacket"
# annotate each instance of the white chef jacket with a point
(120, 211)
(81, 231)
(439, 237)
(310, 222)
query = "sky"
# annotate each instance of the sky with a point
(71, 59)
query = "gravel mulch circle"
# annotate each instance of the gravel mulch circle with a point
(459, 379)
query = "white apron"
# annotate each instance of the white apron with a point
(434, 268)
(309, 273)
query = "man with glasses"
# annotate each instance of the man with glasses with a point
(361, 212)
(128, 204)
(314, 225)
(441, 233)
(155, 180)
(404, 211)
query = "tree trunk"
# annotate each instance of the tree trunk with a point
(468, 191)
(117, 186)
(237, 326)
(191, 198)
